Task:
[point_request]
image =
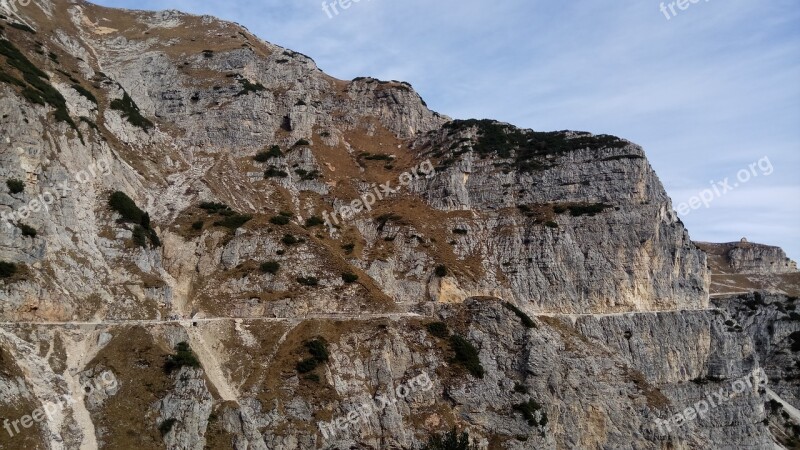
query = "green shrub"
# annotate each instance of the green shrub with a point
(370, 157)
(529, 410)
(273, 152)
(441, 271)
(125, 207)
(166, 426)
(314, 221)
(288, 239)
(312, 377)
(131, 112)
(467, 355)
(460, 231)
(154, 240)
(139, 236)
(279, 220)
(308, 281)
(248, 87)
(274, 172)
(27, 230)
(438, 329)
(15, 186)
(587, 210)
(271, 267)
(85, 92)
(198, 225)
(349, 277)
(551, 224)
(451, 440)
(318, 349)
(520, 388)
(22, 26)
(795, 341)
(213, 207)
(301, 142)
(348, 248)
(307, 365)
(233, 221)
(7, 269)
(183, 357)
(526, 320)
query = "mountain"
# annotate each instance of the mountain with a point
(207, 242)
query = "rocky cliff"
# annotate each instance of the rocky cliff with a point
(258, 255)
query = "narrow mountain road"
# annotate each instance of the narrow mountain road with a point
(343, 317)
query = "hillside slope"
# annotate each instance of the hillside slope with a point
(199, 237)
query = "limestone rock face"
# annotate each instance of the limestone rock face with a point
(304, 250)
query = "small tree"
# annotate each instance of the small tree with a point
(279, 220)
(349, 277)
(27, 230)
(15, 186)
(441, 271)
(7, 269)
(270, 267)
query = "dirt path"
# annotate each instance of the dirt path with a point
(211, 365)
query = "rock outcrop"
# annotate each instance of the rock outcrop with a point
(253, 251)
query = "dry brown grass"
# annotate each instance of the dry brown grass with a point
(137, 360)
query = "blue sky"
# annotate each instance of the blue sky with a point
(707, 92)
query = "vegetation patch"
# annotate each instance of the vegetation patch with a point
(274, 172)
(130, 111)
(15, 186)
(466, 355)
(452, 440)
(233, 221)
(314, 221)
(527, 147)
(36, 88)
(349, 277)
(248, 87)
(7, 269)
(271, 267)
(279, 220)
(308, 281)
(166, 426)
(184, 357)
(214, 207)
(530, 410)
(440, 271)
(318, 349)
(27, 230)
(22, 26)
(266, 155)
(129, 212)
(587, 210)
(438, 329)
(288, 239)
(526, 320)
(85, 92)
